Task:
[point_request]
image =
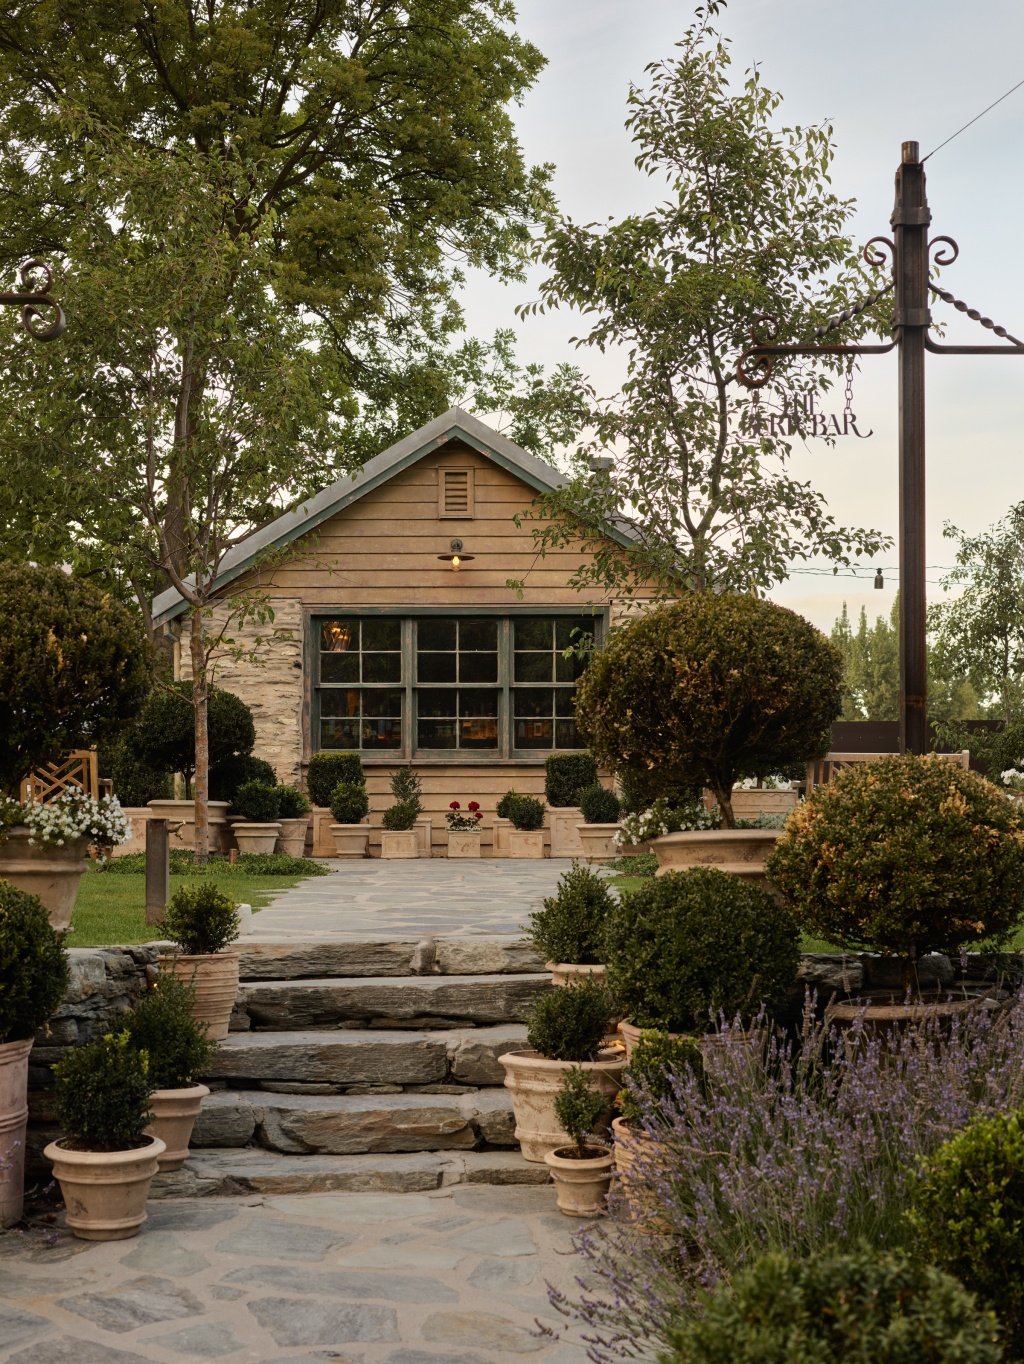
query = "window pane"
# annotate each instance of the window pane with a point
(478, 634)
(478, 667)
(533, 667)
(384, 635)
(383, 702)
(382, 667)
(382, 733)
(566, 735)
(338, 636)
(436, 733)
(435, 634)
(339, 667)
(436, 667)
(565, 701)
(568, 630)
(437, 703)
(531, 633)
(532, 733)
(532, 701)
(339, 733)
(339, 702)
(478, 702)
(478, 733)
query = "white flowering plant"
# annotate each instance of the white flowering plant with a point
(662, 818)
(1013, 777)
(73, 814)
(774, 783)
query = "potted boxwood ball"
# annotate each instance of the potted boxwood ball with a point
(350, 805)
(565, 1028)
(903, 856)
(569, 931)
(565, 776)
(204, 922)
(33, 979)
(293, 814)
(162, 1025)
(526, 837)
(600, 809)
(104, 1161)
(259, 804)
(688, 946)
(582, 1171)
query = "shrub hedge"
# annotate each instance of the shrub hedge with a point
(33, 965)
(326, 770)
(566, 775)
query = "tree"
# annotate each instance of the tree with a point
(74, 665)
(699, 468)
(259, 210)
(164, 736)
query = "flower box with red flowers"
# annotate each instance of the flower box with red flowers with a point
(463, 822)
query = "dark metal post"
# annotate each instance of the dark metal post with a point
(910, 219)
(158, 870)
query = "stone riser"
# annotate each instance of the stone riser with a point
(387, 1002)
(490, 954)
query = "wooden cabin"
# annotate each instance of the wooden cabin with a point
(396, 633)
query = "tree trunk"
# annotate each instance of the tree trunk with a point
(200, 694)
(723, 794)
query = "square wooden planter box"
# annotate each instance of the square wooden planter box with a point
(464, 844)
(526, 842)
(402, 843)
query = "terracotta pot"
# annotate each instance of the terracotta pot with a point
(13, 1118)
(750, 804)
(743, 852)
(581, 1186)
(525, 842)
(882, 1012)
(215, 978)
(45, 870)
(291, 841)
(598, 841)
(535, 1082)
(174, 1115)
(105, 1192)
(631, 1036)
(464, 843)
(399, 843)
(183, 812)
(633, 1145)
(567, 972)
(256, 838)
(350, 840)
(565, 838)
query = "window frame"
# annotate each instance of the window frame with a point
(505, 752)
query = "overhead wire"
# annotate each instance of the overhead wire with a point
(972, 121)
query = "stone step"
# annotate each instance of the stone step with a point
(353, 1124)
(483, 954)
(220, 1174)
(387, 1002)
(364, 1056)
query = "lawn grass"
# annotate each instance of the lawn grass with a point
(112, 909)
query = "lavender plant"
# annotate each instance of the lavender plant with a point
(793, 1145)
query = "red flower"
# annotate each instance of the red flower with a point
(454, 805)
(478, 815)
(474, 805)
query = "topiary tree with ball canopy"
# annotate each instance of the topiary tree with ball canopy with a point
(708, 689)
(165, 735)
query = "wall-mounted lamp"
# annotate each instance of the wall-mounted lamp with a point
(456, 558)
(879, 580)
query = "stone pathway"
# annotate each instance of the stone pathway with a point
(409, 898)
(456, 1276)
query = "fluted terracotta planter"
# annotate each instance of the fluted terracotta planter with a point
(105, 1192)
(215, 979)
(350, 840)
(174, 1115)
(53, 873)
(631, 1036)
(581, 1186)
(13, 1119)
(598, 841)
(742, 852)
(535, 1082)
(291, 841)
(569, 973)
(256, 838)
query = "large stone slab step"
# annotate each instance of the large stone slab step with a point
(467, 1056)
(387, 1001)
(219, 1174)
(483, 954)
(353, 1124)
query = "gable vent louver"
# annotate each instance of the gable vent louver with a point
(456, 493)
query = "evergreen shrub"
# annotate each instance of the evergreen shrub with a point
(33, 965)
(565, 776)
(569, 1024)
(525, 812)
(504, 802)
(231, 773)
(165, 732)
(647, 1080)
(400, 817)
(349, 803)
(293, 803)
(579, 1108)
(257, 802)
(133, 782)
(570, 927)
(101, 1091)
(201, 919)
(598, 805)
(689, 945)
(162, 1026)
(326, 770)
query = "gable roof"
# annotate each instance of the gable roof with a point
(455, 424)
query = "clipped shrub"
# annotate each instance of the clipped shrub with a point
(570, 927)
(257, 802)
(273, 864)
(903, 854)
(502, 807)
(707, 689)
(326, 770)
(689, 945)
(401, 817)
(292, 803)
(827, 1308)
(599, 805)
(579, 1109)
(162, 1026)
(647, 1080)
(165, 733)
(33, 965)
(566, 775)
(406, 787)
(201, 919)
(349, 803)
(231, 773)
(525, 812)
(569, 1024)
(102, 1092)
(967, 1215)
(74, 666)
(133, 782)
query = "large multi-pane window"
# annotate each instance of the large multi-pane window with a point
(450, 684)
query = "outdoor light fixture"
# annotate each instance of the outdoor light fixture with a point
(456, 558)
(879, 580)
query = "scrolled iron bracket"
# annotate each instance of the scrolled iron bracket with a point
(32, 301)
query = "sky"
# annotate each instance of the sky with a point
(881, 72)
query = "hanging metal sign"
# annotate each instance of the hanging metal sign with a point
(801, 416)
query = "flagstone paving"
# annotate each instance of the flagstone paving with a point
(378, 898)
(455, 1276)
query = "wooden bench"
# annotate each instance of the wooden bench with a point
(821, 772)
